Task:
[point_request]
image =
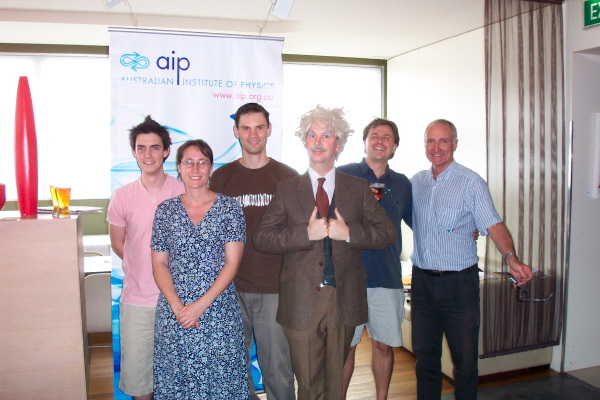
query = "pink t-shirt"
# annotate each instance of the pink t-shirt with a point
(133, 207)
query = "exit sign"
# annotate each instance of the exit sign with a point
(591, 12)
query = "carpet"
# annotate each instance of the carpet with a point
(557, 387)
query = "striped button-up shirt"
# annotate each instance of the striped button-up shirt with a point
(446, 211)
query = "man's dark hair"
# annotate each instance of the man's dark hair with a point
(150, 126)
(250, 108)
(383, 122)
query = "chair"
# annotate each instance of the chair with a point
(98, 302)
(98, 310)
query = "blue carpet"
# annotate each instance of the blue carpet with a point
(557, 387)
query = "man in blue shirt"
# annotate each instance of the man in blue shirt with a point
(449, 202)
(385, 297)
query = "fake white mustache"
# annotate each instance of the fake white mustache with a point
(316, 147)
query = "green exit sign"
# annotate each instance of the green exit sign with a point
(591, 12)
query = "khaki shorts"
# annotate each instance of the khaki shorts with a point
(386, 312)
(137, 349)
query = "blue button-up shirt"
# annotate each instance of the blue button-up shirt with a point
(446, 211)
(383, 266)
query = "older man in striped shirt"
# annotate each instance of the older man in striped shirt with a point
(449, 202)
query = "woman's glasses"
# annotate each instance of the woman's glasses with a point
(202, 164)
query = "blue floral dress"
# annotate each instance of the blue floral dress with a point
(209, 362)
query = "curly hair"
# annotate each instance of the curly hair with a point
(332, 118)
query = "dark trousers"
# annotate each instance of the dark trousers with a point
(446, 304)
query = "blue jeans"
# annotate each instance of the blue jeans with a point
(446, 304)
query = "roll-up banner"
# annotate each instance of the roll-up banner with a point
(191, 83)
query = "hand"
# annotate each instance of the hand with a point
(338, 230)
(176, 308)
(317, 227)
(189, 316)
(374, 190)
(520, 271)
(475, 235)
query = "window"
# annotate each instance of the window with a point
(71, 102)
(356, 88)
(72, 118)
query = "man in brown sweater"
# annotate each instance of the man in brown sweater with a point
(251, 180)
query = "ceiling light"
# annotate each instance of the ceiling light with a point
(282, 8)
(111, 3)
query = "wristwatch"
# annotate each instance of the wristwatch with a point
(504, 257)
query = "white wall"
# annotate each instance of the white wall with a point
(444, 80)
(447, 80)
(582, 80)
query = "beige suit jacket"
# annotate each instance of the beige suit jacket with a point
(283, 230)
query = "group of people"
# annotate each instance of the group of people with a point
(301, 263)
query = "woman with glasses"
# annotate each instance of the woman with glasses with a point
(197, 244)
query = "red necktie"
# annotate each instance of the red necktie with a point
(322, 199)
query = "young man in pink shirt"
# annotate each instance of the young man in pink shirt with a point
(130, 217)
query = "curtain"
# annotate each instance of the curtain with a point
(526, 171)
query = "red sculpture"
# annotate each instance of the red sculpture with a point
(26, 168)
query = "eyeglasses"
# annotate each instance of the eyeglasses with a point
(200, 164)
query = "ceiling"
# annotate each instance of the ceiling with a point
(379, 29)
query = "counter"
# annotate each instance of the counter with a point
(42, 308)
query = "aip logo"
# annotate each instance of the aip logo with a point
(181, 63)
(134, 61)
